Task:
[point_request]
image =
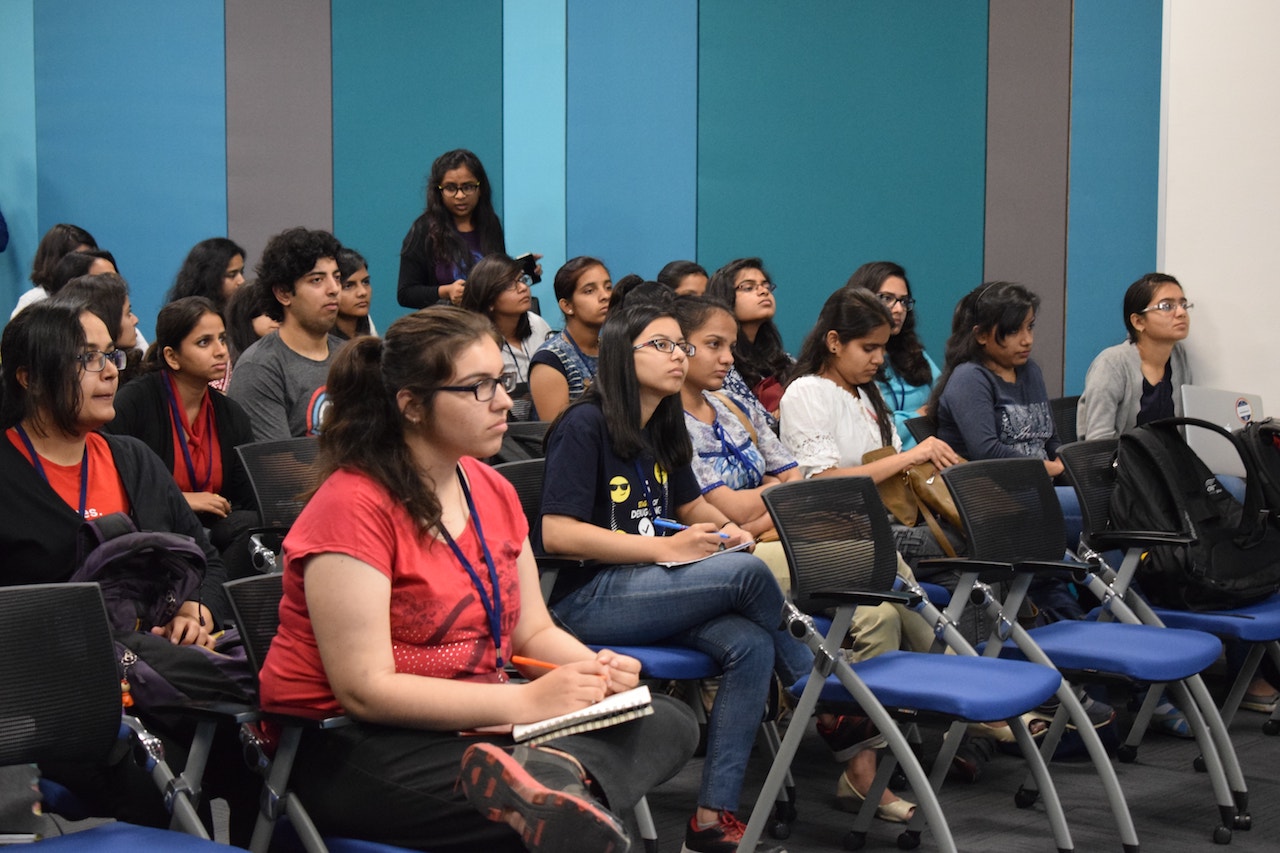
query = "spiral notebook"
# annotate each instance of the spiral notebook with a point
(618, 708)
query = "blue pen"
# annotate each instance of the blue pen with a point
(668, 524)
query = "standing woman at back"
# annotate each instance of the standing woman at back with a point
(458, 228)
(906, 377)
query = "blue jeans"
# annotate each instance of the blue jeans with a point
(727, 606)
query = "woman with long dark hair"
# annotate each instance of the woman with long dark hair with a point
(193, 428)
(499, 289)
(409, 584)
(619, 493)
(761, 363)
(906, 377)
(214, 269)
(458, 228)
(565, 364)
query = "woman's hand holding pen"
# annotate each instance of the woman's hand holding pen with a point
(692, 543)
(562, 688)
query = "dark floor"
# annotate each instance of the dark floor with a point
(1171, 804)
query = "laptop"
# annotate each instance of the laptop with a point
(1229, 410)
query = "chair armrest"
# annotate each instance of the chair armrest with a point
(1106, 540)
(310, 718)
(989, 571)
(1065, 569)
(836, 597)
(233, 712)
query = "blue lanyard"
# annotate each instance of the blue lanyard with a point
(653, 508)
(492, 607)
(196, 486)
(35, 460)
(898, 386)
(731, 449)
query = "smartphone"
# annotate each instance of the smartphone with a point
(530, 266)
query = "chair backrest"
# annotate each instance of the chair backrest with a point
(255, 601)
(526, 476)
(280, 471)
(1063, 410)
(921, 427)
(1009, 509)
(835, 533)
(523, 441)
(61, 696)
(1090, 467)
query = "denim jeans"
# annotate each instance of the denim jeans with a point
(729, 607)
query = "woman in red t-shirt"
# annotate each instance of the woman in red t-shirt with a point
(408, 584)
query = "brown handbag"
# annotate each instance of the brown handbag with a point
(918, 491)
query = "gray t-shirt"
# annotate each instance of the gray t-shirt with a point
(283, 392)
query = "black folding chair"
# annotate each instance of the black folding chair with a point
(1063, 412)
(839, 547)
(281, 472)
(61, 703)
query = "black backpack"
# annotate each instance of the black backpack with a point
(1261, 442)
(1161, 485)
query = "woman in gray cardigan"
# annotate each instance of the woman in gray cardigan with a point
(1140, 380)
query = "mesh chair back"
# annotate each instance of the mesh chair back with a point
(1009, 509)
(920, 428)
(526, 476)
(61, 696)
(256, 604)
(281, 471)
(523, 440)
(1063, 411)
(1091, 467)
(835, 533)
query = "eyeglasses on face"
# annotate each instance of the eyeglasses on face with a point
(95, 361)
(888, 300)
(751, 286)
(667, 346)
(459, 189)
(523, 278)
(1168, 306)
(486, 388)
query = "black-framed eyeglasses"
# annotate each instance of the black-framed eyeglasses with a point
(95, 361)
(523, 278)
(888, 300)
(460, 189)
(667, 346)
(1168, 306)
(486, 388)
(753, 286)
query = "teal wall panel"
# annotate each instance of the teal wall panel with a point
(131, 131)
(832, 134)
(411, 80)
(533, 115)
(632, 137)
(1115, 154)
(17, 149)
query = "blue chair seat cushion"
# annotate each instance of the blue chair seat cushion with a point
(1139, 652)
(128, 838)
(1257, 623)
(969, 688)
(678, 663)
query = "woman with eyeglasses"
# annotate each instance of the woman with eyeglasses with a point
(193, 428)
(907, 375)
(619, 493)
(458, 228)
(565, 364)
(499, 289)
(761, 362)
(1140, 380)
(60, 375)
(833, 414)
(409, 584)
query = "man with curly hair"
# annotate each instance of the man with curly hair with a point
(280, 379)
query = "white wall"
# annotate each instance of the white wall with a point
(1220, 187)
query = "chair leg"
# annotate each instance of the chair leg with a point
(644, 821)
(1213, 759)
(1241, 685)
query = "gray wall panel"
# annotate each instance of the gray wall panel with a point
(279, 122)
(1028, 119)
